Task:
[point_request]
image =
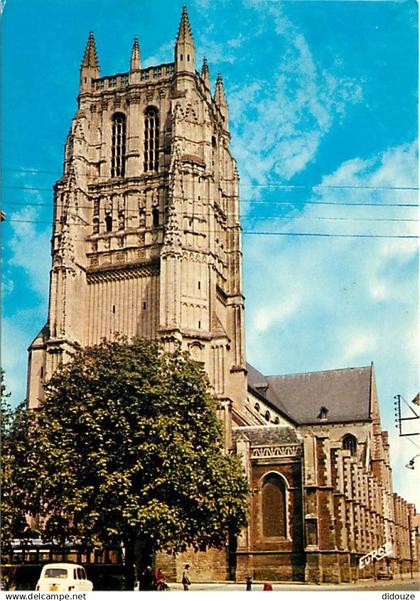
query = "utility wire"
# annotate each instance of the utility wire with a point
(268, 185)
(257, 233)
(262, 218)
(410, 407)
(412, 441)
(329, 187)
(267, 201)
(325, 235)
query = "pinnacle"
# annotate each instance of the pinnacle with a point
(205, 74)
(90, 58)
(184, 30)
(219, 93)
(135, 56)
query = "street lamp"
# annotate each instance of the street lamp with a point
(410, 464)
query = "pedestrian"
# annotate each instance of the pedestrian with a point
(147, 580)
(186, 577)
(248, 583)
(160, 581)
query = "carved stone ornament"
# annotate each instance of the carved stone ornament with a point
(172, 232)
(276, 451)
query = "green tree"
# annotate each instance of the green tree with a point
(13, 453)
(127, 448)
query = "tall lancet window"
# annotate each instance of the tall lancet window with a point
(274, 506)
(118, 145)
(151, 139)
(350, 443)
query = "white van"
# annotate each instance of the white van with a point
(63, 577)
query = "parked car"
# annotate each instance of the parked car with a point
(63, 577)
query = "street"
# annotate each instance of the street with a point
(397, 584)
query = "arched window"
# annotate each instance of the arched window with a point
(350, 443)
(151, 139)
(118, 145)
(155, 217)
(108, 223)
(274, 506)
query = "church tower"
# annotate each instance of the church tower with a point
(146, 236)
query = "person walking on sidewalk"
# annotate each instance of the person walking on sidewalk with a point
(186, 577)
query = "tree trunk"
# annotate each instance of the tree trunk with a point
(144, 556)
(129, 564)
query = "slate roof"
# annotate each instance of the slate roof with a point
(267, 435)
(345, 393)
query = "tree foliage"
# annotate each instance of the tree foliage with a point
(13, 452)
(127, 446)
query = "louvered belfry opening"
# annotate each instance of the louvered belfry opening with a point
(119, 127)
(151, 139)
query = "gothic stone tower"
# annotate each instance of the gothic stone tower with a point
(146, 235)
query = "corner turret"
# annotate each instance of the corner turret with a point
(89, 69)
(184, 47)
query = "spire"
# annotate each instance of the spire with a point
(184, 30)
(90, 58)
(184, 47)
(89, 69)
(219, 92)
(220, 100)
(205, 74)
(135, 63)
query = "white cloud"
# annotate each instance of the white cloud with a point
(320, 303)
(7, 286)
(30, 248)
(164, 54)
(267, 316)
(278, 123)
(359, 344)
(217, 53)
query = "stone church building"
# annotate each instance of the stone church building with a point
(147, 241)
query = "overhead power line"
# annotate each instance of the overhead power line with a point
(264, 233)
(268, 201)
(326, 235)
(329, 187)
(252, 185)
(331, 203)
(262, 218)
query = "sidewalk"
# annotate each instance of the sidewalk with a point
(397, 584)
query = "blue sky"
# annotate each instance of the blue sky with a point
(323, 98)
